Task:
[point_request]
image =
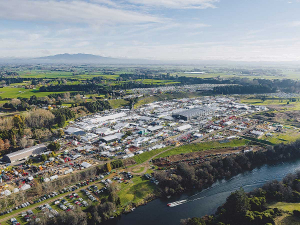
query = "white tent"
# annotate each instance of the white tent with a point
(86, 165)
(46, 180)
(16, 190)
(53, 177)
(25, 187)
(6, 193)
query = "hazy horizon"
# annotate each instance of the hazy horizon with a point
(235, 30)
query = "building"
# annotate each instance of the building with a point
(190, 113)
(74, 131)
(24, 154)
(111, 138)
(184, 127)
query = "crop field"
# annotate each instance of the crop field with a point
(202, 147)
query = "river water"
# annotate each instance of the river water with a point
(205, 202)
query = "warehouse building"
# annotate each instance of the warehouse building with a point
(24, 154)
(190, 113)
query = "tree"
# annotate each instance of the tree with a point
(19, 122)
(44, 157)
(108, 167)
(61, 120)
(54, 146)
(2, 147)
(39, 118)
(6, 144)
(236, 207)
(23, 142)
(60, 132)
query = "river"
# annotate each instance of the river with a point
(205, 202)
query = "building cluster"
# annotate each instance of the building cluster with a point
(124, 133)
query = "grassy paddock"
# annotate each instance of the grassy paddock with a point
(285, 206)
(202, 147)
(147, 155)
(135, 191)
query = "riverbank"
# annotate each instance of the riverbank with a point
(204, 202)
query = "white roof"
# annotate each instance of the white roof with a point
(86, 165)
(26, 150)
(72, 130)
(25, 187)
(184, 127)
(155, 128)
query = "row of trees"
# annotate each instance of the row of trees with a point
(251, 208)
(244, 89)
(186, 177)
(97, 106)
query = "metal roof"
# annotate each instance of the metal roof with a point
(26, 150)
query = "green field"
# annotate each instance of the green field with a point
(224, 75)
(147, 155)
(162, 97)
(117, 103)
(285, 206)
(135, 191)
(11, 92)
(202, 147)
(277, 138)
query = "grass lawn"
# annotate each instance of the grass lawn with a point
(285, 206)
(11, 92)
(202, 147)
(138, 170)
(135, 191)
(289, 136)
(256, 101)
(147, 155)
(117, 103)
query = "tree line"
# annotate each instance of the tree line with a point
(251, 208)
(185, 177)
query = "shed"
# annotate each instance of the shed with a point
(25, 153)
(86, 165)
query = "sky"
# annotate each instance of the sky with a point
(236, 30)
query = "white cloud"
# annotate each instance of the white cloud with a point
(293, 24)
(76, 11)
(199, 4)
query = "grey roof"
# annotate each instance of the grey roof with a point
(192, 112)
(27, 150)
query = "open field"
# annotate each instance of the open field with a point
(225, 75)
(11, 92)
(162, 97)
(287, 137)
(285, 206)
(117, 103)
(202, 147)
(147, 155)
(135, 191)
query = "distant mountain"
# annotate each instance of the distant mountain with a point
(79, 59)
(75, 57)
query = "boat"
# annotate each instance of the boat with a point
(173, 204)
